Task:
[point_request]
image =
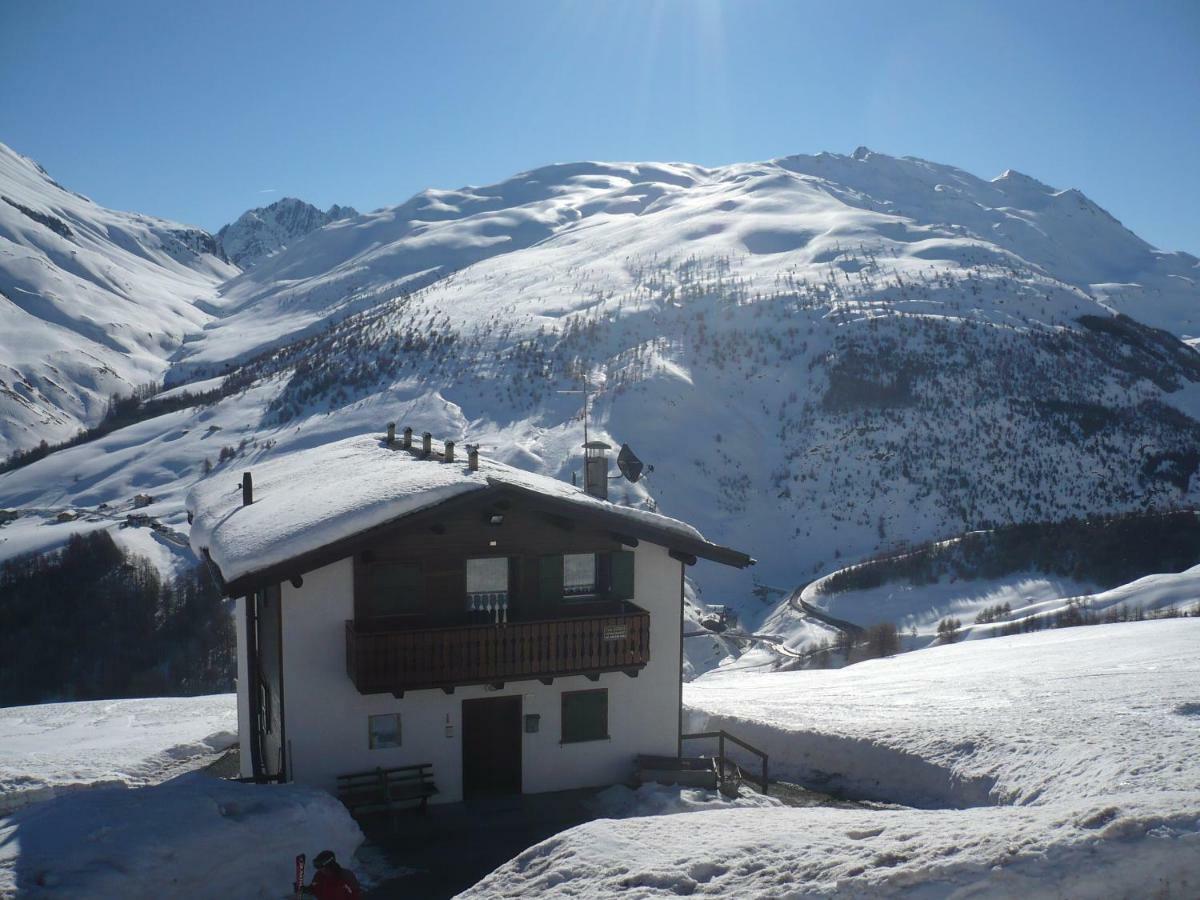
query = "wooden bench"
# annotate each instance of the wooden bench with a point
(383, 790)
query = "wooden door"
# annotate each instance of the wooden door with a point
(491, 746)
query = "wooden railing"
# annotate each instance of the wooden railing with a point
(420, 658)
(722, 737)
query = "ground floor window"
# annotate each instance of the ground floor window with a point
(384, 731)
(584, 716)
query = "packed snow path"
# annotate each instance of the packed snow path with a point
(1055, 764)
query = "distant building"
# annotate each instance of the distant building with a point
(398, 604)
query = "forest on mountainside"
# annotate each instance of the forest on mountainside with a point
(92, 621)
(1105, 550)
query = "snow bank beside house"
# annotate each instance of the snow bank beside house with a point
(1051, 764)
(621, 802)
(825, 852)
(193, 836)
(53, 747)
(1028, 718)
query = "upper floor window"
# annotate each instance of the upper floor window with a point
(487, 583)
(586, 577)
(579, 575)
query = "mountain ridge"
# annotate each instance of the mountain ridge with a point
(819, 354)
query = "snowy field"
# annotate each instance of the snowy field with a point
(53, 747)
(102, 801)
(1053, 764)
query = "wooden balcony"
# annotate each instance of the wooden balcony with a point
(421, 658)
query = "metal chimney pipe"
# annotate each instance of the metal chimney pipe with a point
(426, 444)
(449, 452)
(247, 489)
(473, 459)
(391, 438)
(406, 443)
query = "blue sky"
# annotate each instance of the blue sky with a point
(198, 111)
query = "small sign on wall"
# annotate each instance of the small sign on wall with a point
(615, 632)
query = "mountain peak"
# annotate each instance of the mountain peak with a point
(265, 230)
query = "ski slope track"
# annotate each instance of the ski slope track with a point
(818, 354)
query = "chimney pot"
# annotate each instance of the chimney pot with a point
(473, 458)
(595, 469)
(391, 438)
(449, 452)
(406, 443)
(426, 444)
(247, 489)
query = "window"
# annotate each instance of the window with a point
(579, 575)
(487, 587)
(584, 716)
(394, 589)
(384, 731)
(487, 576)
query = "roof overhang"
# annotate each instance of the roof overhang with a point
(683, 547)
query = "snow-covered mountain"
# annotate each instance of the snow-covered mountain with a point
(819, 354)
(260, 232)
(92, 302)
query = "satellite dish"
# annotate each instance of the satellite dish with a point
(630, 466)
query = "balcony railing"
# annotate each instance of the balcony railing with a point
(420, 658)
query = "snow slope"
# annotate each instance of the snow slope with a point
(917, 609)
(1057, 764)
(56, 747)
(147, 826)
(817, 354)
(191, 836)
(92, 302)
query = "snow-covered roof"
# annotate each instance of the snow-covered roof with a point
(306, 500)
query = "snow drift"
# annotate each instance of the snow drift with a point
(1051, 764)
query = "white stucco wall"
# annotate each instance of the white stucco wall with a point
(326, 716)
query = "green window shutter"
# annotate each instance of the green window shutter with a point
(394, 589)
(584, 716)
(550, 579)
(622, 574)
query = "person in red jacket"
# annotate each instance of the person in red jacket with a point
(331, 881)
